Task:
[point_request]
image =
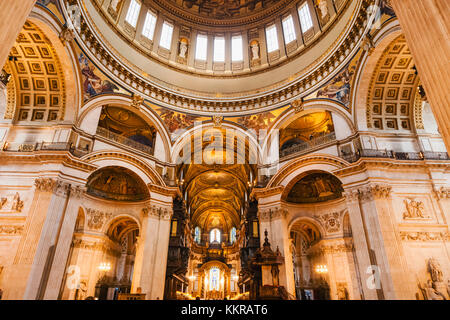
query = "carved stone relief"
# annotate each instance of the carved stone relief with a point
(11, 230)
(11, 203)
(414, 210)
(96, 218)
(331, 221)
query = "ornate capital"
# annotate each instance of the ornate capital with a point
(272, 214)
(159, 212)
(369, 193)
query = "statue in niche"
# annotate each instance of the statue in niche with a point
(435, 270)
(115, 4)
(17, 204)
(323, 7)
(183, 48)
(255, 50)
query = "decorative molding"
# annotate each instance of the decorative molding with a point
(332, 222)
(11, 230)
(424, 236)
(442, 193)
(96, 218)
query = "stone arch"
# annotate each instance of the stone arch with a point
(336, 182)
(80, 223)
(386, 96)
(89, 115)
(127, 160)
(186, 137)
(298, 167)
(295, 223)
(117, 183)
(44, 74)
(111, 229)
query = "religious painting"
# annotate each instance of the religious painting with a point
(94, 81)
(176, 121)
(116, 183)
(340, 87)
(316, 187)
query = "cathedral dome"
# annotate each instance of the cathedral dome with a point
(227, 57)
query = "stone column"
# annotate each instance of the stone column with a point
(273, 219)
(152, 247)
(360, 242)
(13, 15)
(40, 232)
(63, 243)
(426, 26)
(385, 242)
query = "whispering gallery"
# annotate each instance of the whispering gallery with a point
(212, 150)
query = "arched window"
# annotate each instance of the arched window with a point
(233, 235)
(214, 236)
(197, 235)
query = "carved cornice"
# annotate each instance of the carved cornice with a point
(266, 192)
(166, 191)
(58, 187)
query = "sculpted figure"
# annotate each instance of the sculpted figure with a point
(434, 268)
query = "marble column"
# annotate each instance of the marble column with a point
(152, 248)
(360, 242)
(63, 243)
(40, 232)
(426, 26)
(13, 14)
(273, 219)
(376, 205)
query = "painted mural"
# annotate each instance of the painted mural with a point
(94, 81)
(316, 187)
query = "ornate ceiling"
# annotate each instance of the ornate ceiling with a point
(172, 78)
(216, 195)
(220, 12)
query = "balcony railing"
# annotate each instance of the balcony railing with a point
(124, 140)
(389, 154)
(306, 146)
(44, 146)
